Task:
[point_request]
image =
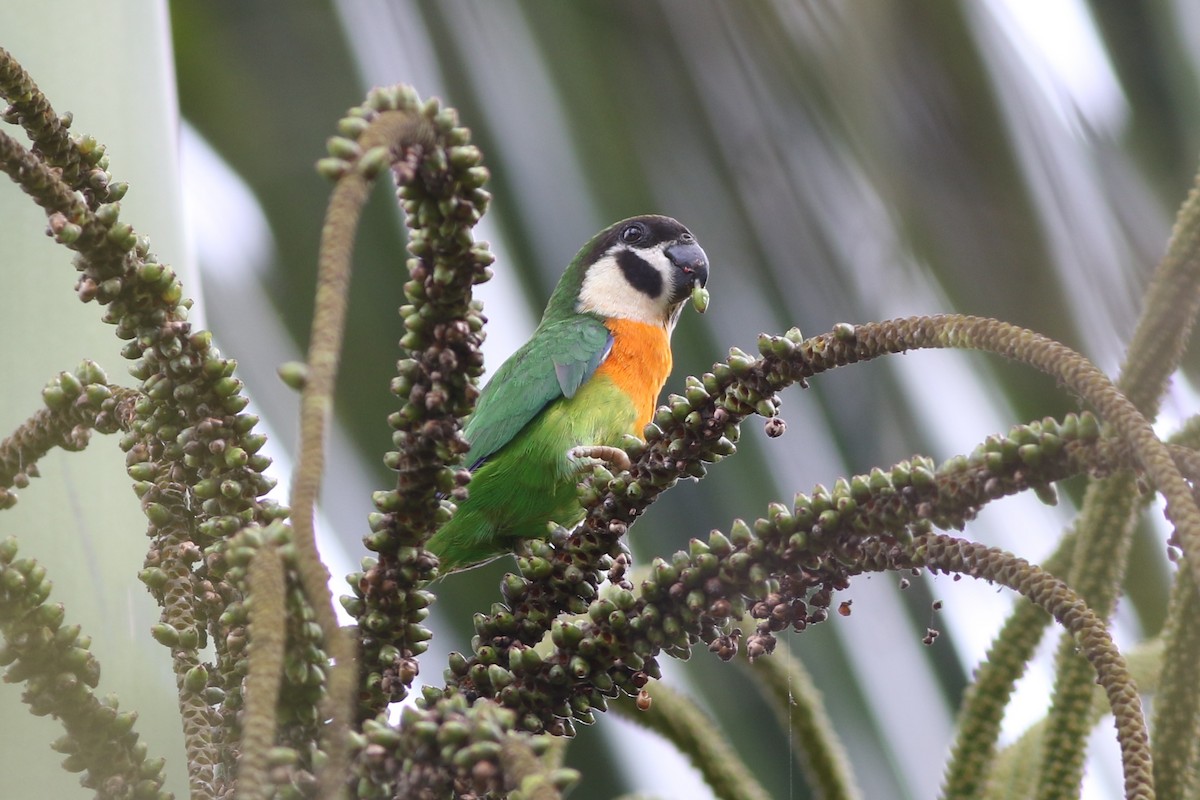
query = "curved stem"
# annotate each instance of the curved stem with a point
(789, 685)
(680, 721)
(1176, 738)
(33, 112)
(948, 554)
(1070, 368)
(390, 129)
(1098, 563)
(268, 635)
(983, 706)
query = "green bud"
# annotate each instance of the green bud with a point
(476, 177)
(165, 634)
(579, 667)
(740, 362)
(152, 768)
(107, 214)
(123, 723)
(75, 763)
(227, 387)
(1046, 493)
(55, 398)
(153, 577)
(143, 471)
(453, 732)
(1070, 426)
(189, 638)
(67, 635)
(499, 676)
(196, 679)
(719, 544)
(1089, 427)
(740, 533)
(342, 148)
(352, 127)
(294, 374)
(90, 372)
(1030, 454)
(236, 457)
(782, 347)
(374, 161)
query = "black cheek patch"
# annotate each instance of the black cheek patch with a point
(641, 276)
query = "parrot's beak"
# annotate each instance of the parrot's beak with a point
(691, 262)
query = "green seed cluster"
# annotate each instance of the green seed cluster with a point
(189, 415)
(55, 663)
(94, 230)
(892, 506)
(192, 401)
(1029, 456)
(76, 404)
(67, 176)
(782, 570)
(189, 448)
(196, 466)
(441, 193)
(451, 746)
(592, 663)
(30, 109)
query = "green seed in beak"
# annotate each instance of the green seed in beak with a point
(699, 298)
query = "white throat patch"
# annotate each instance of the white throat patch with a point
(607, 292)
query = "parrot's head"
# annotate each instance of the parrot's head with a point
(642, 269)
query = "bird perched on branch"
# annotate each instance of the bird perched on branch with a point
(589, 376)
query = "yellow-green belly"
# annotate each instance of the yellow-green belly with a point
(530, 482)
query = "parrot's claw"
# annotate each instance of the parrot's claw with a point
(590, 454)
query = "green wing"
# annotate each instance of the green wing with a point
(553, 364)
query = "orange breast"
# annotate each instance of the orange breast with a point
(639, 364)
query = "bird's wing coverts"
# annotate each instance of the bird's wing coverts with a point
(553, 364)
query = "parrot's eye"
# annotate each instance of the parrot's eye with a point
(687, 238)
(633, 233)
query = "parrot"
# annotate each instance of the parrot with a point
(590, 375)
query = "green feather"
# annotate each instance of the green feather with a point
(553, 364)
(538, 406)
(565, 297)
(529, 480)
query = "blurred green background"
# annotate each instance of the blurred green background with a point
(839, 161)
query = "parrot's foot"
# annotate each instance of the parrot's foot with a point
(590, 454)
